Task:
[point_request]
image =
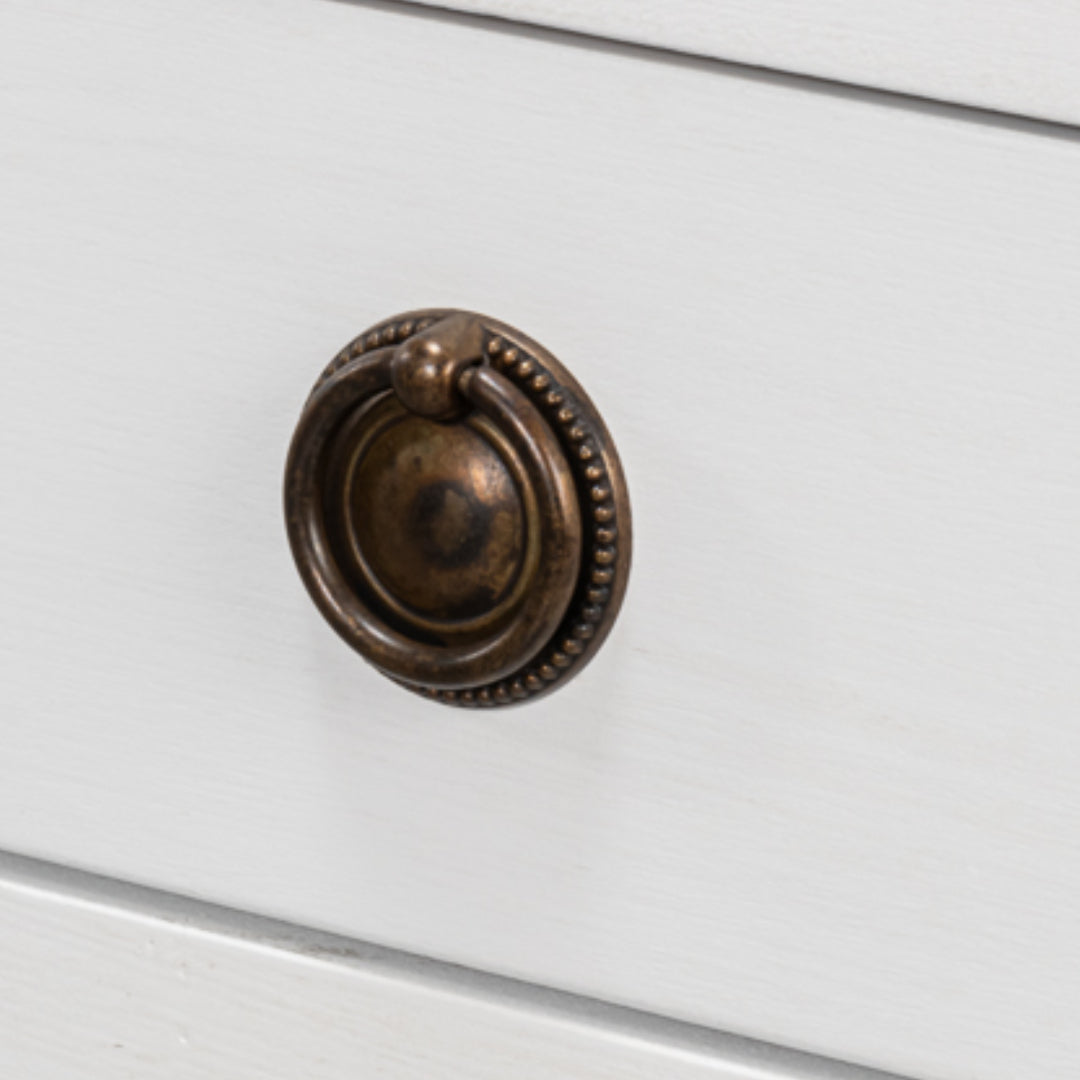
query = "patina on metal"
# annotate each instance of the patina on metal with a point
(457, 510)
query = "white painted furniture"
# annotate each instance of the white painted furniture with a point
(1011, 56)
(820, 787)
(103, 981)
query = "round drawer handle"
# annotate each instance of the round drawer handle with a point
(457, 510)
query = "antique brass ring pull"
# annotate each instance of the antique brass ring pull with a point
(457, 510)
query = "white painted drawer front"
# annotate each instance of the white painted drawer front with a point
(101, 981)
(820, 786)
(1016, 56)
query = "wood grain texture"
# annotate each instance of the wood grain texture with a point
(140, 986)
(820, 787)
(1014, 56)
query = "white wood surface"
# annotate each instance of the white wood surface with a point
(820, 788)
(99, 989)
(1015, 56)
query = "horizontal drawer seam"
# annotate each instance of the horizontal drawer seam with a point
(783, 77)
(763, 1061)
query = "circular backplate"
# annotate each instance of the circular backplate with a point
(474, 546)
(437, 521)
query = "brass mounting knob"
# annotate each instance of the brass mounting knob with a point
(457, 510)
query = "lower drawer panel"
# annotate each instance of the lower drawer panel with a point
(820, 786)
(99, 979)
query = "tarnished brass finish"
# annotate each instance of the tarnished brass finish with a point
(457, 510)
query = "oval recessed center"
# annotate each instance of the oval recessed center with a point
(437, 519)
